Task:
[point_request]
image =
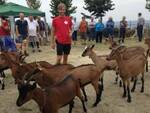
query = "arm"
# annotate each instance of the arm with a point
(52, 38)
(17, 31)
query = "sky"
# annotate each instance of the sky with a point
(128, 8)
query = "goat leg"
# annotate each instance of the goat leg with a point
(71, 105)
(98, 96)
(116, 79)
(102, 84)
(146, 66)
(129, 96)
(134, 85)
(142, 89)
(120, 83)
(84, 93)
(125, 93)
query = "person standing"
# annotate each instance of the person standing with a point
(42, 31)
(6, 42)
(33, 30)
(83, 30)
(99, 27)
(123, 26)
(61, 34)
(140, 25)
(75, 31)
(110, 28)
(91, 27)
(22, 33)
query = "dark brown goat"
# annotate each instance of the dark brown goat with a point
(51, 98)
(129, 68)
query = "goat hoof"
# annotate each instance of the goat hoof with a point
(132, 90)
(3, 87)
(85, 99)
(124, 96)
(94, 105)
(142, 91)
(129, 100)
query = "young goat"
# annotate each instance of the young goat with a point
(129, 68)
(51, 98)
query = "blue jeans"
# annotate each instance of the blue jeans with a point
(9, 44)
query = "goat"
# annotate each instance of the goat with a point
(51, 98)
(130, 51)
(129, 68)
(101, 63)
(86, 73)
(18, 57)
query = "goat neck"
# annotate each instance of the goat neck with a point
(99, 62)
(39, 97)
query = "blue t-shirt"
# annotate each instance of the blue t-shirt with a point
(99, 27)
(22, 27)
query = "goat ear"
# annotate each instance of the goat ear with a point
(92, 46)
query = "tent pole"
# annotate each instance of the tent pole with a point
(12, 24)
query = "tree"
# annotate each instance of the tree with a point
(69, 8)
(2, 2)
(34, 4)
(98, 8)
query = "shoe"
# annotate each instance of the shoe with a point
(33, 51)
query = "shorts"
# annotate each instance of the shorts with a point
(33, 39)
(83, 35)
(63, 49)
(21, 38)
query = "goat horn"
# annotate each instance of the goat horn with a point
(33, 74)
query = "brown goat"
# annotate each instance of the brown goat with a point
(86, 73)
(18, 57)
(11, 60)
(51, 98)
(130, 51)
(129, 68)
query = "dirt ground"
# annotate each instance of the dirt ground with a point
(112, 101)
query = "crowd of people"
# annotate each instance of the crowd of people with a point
(31, 31)
(64, 29)
(95, 31)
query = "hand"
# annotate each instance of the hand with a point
(53, 45)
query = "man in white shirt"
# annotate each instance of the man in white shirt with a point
(91, 28)
(33, 30)
(75, 30)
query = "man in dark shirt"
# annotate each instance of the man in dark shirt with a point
(42, 31)
(22, 33)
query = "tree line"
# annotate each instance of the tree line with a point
(97, 8)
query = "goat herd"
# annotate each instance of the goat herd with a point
(54, 86)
